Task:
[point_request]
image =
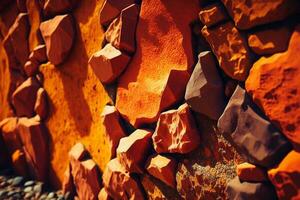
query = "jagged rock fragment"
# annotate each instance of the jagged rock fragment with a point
(103, 195)
(39, 54)
(41, 103)
(213, 14)
(55, 7)
(251, 173)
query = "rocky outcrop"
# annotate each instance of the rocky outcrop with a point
(251, 173)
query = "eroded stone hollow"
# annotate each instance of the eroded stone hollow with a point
(149, 99)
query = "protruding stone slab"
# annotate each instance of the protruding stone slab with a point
(56, 7)
(176, 132)
(213, 14)
(108, 63)
(285, 177)
(24, 98)
(205, 91)
(78, 152)
(19, 163)
(113, 128)
(251, 173)
(10, 135)
(121, 32)
(249, 191)
(58, 34)
(41, 103)
(103, 195)
(164, 168)
(259, 141)
(250, 13)
(39, 54)
(232, 53)
(119, 184)
(133, 150)
(274, 85)
(31, 67)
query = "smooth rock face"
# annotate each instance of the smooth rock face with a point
(121, 32)
(16, 42)
(286, 177)
(251, 173)
(213, 14)
(108, 63)
(41, 103)
(232, 53)
(55, 7)
(205, 91)
(119, 184)
(24, 98)
(58, 34)
(176, 132)
(39, 54)
(269, 41)
(163, 168)
(34, 139)
(113, 128)
(274, 86)
(257, 138)
(246, 190)
(111, 9)
(141, 89)
(133, 150)
(249, 13)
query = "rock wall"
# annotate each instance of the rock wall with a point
(152, 99)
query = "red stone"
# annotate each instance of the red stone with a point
(213, 14)
(133, 150)
(103, 195)
(41, 103)
(55, 7)
(39, 54)
(163, 168)
(78, 152)
(31, 67)
(108, 63)
(121, 32)
(176, 132)
(19, 163)
(251, 173)
(9, 132)
(68, 184)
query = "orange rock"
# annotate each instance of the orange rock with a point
(68, 184)
(103, 195)
(31, 67)
(35, 146)
(78, 152)
(249, 13)
(113, 129)
(285, 177)
(10, 135)
(274, 85)
(55, 7)
(232, 53)
(251, 173)
(121, 32)
(163, 168)
(176, 132)
(119, 184)
(140, 93)
(108, 63)
(23, 99)
(58, 34)
(19, 163)
(39, 54)
(269, 41)
(213, 14)
(111, 9)
(41, 103)
(133, 149)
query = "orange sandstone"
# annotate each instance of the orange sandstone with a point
(251, 173)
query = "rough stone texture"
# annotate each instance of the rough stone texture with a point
(260, 142)
(232, 53)
(58, 34)
(133, 150)
(176, 132)
(55, 7)
(164, 168)
(141, 89)
(251, 173)
(113, 127)
(205, 91)
(213, 14)
(108, 63)
(269, 41)
(103, 195)
(121, 32)
(41, 104)
(285, 177)
(247, 14)
(119, 184)
(39, 54)
(246, 190)
(24, 98)
(274, 85)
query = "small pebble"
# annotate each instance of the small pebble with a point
(28, 183)
(10, 193)
(17, 181)
(44, 196)
(3, 193)
(38, 188)
(51, 195)
(28, 189)
(29, 194)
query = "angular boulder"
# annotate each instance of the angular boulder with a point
(103, 195)
(24, 97)
(31, 67)
(39, 54)
(286, 177)
(41, 104)
(10, 135)
(232, 53)
(121, 32)
(58, 34)
(205, 91)
(56, 7)
(176, 132)
(133, 150)
(251, 173)
(249, 13)
(163, 168)
(213, 14)
(258, 140)
(114, 132)
(274, 86)
(19, 164)
(108, 63)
